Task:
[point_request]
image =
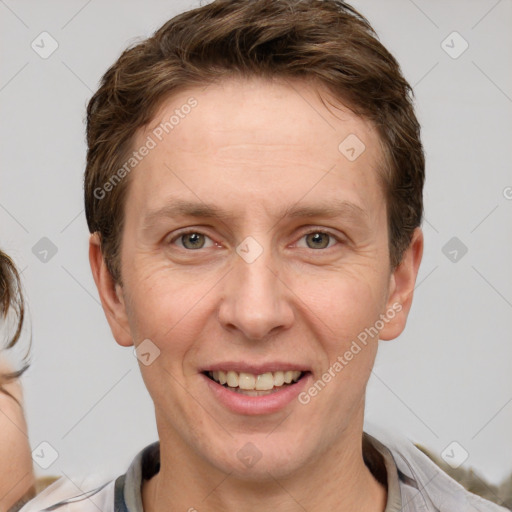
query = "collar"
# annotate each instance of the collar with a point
(377, 457)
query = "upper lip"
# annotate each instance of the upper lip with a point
(254, 368)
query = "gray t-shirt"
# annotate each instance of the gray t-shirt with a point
(414, 484)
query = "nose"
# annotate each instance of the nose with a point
(255, 301)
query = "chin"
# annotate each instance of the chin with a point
(257, 458)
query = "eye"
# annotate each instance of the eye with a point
(193, 240)
(318, 240)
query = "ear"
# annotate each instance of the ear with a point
(401, 288)
(111, 294)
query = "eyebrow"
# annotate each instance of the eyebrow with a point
(181, 208)
(336, 208)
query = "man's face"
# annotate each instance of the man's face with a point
(253, 244)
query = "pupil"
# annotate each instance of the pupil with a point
(319, 240)
(193, 240)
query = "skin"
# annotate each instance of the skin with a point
(254, 148)
(16, 478)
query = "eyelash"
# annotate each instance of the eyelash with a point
(195, 231)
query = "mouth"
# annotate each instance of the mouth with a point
(251, 384)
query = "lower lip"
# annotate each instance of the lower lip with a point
(253, 405)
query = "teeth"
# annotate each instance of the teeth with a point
(264, 382)
(278, 378)
(248, 381)
(232, 379)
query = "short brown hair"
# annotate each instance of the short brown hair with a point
(326, 41)
(11, 300)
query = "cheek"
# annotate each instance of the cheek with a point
(346, 304)
(346, 318)
(169, 309)
(173, 319)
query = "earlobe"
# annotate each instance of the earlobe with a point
(401, 290)
(111, 294)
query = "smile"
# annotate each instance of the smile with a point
(255, 385)
(255, 389)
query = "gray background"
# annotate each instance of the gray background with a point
(447, 378)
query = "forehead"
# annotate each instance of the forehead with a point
(237, 138)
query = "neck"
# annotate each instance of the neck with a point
(337, 480)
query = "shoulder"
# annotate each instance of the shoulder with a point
(97, 493)
(66, 495)
(424, 484)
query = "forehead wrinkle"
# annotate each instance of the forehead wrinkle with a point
(332, 209)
